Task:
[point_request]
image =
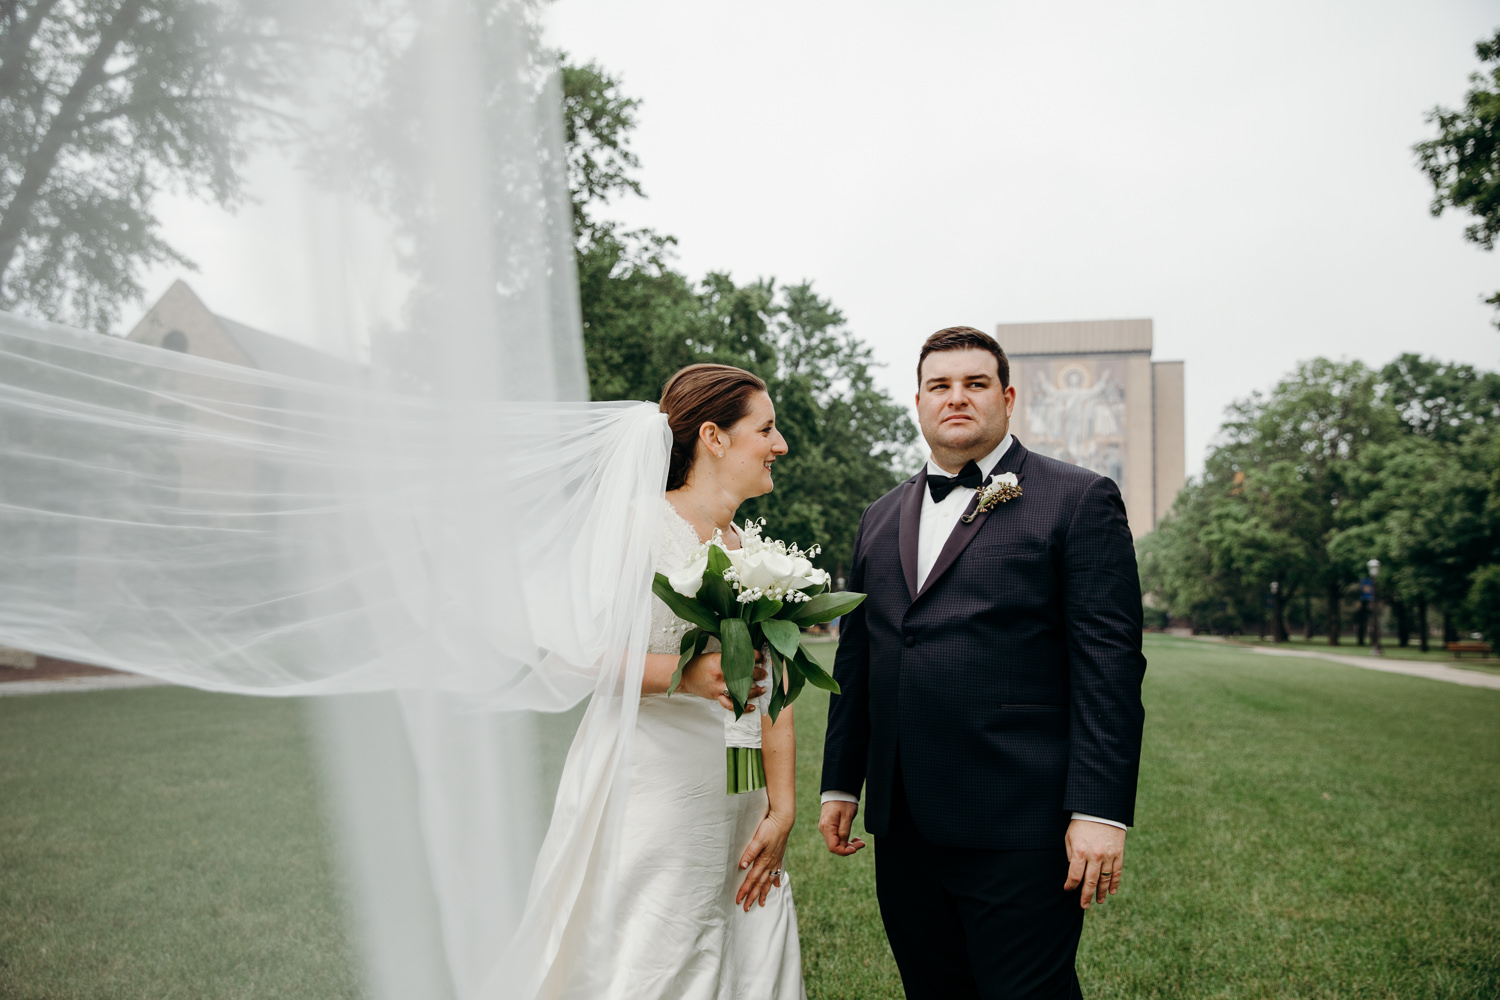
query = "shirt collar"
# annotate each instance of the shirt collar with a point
(987, 464)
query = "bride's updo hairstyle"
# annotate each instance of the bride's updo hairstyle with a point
(700, 394)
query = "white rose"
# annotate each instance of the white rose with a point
(805, 575)
(1006, 479)
(764, 569)
(689, 579)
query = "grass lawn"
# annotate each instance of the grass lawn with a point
(164, 843)
(1305, 829)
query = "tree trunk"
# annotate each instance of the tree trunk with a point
(1307, 618)
(1335, 598)
(43, 156)
(1403, 623)
(1422, 627)
(1450, 629)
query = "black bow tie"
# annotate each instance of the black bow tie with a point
(941, 486)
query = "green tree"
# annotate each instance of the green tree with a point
(643, 320)
(1267, 506)
(105, 104)
(1190, 579)
(597, 121)
(1463, 161)
(1338, 464)
(1484, 602)
(1441, 400)
(1297, 449)
(848, 438)
(1422, 514)
(1432, 507)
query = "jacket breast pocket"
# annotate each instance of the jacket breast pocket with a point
(1014, 574)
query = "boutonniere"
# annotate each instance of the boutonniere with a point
(998, 490)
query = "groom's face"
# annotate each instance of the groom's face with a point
(963, 408)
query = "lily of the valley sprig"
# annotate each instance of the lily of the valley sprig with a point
(998, 490)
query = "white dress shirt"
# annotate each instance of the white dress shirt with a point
(938, 522)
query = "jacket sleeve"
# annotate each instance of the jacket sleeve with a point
(1102, 618)
(847, 742)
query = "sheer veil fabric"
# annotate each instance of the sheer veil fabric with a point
(437, 532)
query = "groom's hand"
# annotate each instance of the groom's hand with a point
(1096, 855)
(834, 823)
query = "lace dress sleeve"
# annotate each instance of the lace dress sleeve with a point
(678, 540)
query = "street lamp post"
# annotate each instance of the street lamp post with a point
(1374, 567)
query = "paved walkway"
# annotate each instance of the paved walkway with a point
(105, 682)
(1412, 668)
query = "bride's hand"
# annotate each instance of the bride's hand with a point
(704, 677)
(763, 859)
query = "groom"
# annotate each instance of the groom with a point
(991, 704)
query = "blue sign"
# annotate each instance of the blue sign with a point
(1367, 590)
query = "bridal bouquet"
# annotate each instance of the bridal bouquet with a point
(759, 596)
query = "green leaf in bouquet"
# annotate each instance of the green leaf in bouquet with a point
(783, 635)
(762, 609)
(825, 608)
(693, 641)
(778, 669)
(716, 592)
(737, 661)
(686, 608)
(794, 683)
(816, 675)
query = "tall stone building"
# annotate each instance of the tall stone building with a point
(1089, 393)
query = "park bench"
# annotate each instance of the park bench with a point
(1460, 648)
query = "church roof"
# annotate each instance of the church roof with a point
(179, 320)
(271, 353)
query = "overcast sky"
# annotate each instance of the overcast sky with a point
(1241, 174)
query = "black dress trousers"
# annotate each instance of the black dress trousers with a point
(965, 923)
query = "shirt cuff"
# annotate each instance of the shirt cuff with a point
(833, 796)
(1083, 816)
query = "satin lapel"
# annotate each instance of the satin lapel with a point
(1012, 461)
(908, 528)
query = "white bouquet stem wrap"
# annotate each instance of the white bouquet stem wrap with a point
(744, 731)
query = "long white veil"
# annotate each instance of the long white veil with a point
(436, 530)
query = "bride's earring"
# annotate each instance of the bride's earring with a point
(721, 452)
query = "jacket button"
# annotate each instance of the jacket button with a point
(909, 641)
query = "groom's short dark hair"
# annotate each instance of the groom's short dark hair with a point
(963, 338)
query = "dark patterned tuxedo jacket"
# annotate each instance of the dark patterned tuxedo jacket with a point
(1009, 687)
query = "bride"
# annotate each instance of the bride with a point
(705, 912)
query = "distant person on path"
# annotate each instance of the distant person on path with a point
(991, 695)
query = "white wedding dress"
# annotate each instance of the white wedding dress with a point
(680, 934)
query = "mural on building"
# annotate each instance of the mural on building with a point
(1073, 409)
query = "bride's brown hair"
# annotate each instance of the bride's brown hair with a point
(700, 394)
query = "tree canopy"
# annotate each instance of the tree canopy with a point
(1339, 464)
(105, 104)
(1463, 161)
(643, 320)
